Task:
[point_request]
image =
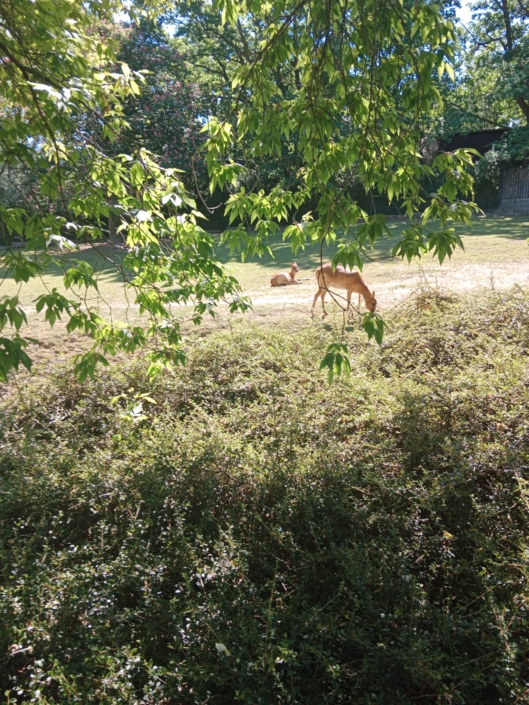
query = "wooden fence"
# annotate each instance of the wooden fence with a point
(514, 192)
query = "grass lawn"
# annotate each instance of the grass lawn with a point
(487, 241)
(495, 250)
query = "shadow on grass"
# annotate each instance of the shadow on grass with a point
(310, 258)
(103, 268)
(511, 228)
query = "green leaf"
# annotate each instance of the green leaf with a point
(335, 361)
(374, 326)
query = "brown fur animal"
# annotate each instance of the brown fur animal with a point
(342, 278)
(286, 278)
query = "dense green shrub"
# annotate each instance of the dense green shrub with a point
(258, 537)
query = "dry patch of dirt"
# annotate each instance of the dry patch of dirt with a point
(461, 278)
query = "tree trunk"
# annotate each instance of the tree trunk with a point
(3, 234)
(113, 235)
(508, 26)
(524, 107)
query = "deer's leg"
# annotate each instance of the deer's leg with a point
(314, 302)
(323, 292)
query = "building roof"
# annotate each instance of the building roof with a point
(482, 141)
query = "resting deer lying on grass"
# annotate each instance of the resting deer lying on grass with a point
(286, 278)
(342, 278)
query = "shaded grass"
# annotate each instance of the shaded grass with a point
(260, 537)
(487, 240)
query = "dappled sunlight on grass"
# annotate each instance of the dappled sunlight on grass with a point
(486, 241)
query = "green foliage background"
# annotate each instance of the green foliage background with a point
(236, 531)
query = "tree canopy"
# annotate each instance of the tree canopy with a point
(492, 87)
(499, 37)
(344, 89)
(58, 77)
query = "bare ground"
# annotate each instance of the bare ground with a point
(487, 262)
(457, 278)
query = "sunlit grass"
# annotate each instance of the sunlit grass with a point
(491, 244)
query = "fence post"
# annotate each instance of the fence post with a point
(500, 193)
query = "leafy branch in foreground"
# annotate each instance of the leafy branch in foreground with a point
(56, 77)
(366, 78)
(335, 360)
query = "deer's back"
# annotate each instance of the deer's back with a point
(340, 278)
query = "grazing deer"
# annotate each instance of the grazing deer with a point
(342, 278)
(286, 278)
